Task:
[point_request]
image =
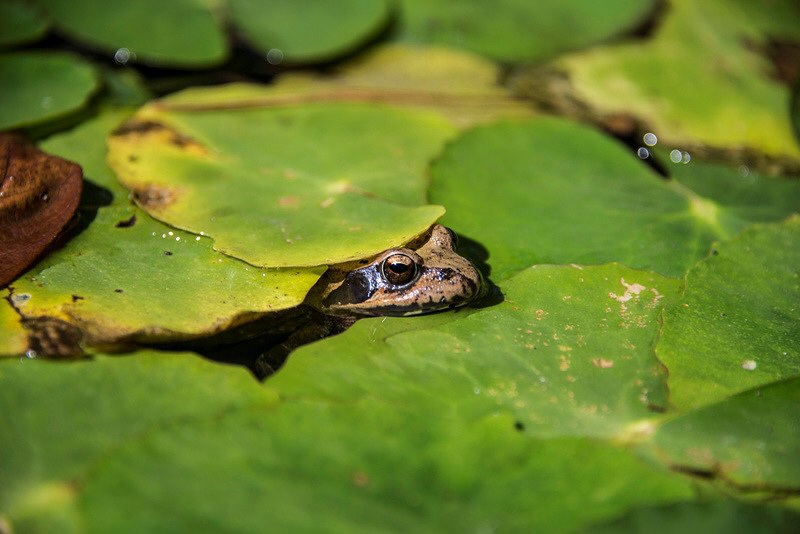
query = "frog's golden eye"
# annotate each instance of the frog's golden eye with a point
(399, 269)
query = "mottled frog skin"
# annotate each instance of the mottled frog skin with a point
(426, 275)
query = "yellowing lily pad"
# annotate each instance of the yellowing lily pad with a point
(736, 326)
(700, 80)
(459, 85)
(128, 277)
(39, 86)
(552, 191)
(13, 340)
(276, 187)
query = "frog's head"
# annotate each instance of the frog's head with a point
(425, 276)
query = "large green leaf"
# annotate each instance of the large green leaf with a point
(39, 86)
(158, 428)
(750, 440)
(309, 30)
(20, 22)
(569, 352)
(736, 326)
(700, 81)
(182, 33)
(551, 191)
(297, 186)
(519, 30)
(128, 276)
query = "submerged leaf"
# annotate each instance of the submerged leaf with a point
(20, 22)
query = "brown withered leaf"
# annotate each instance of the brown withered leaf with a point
(39, 194)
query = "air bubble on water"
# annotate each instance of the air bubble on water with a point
(650, 139)
(197, 238)
(477, 391)
(31, 354)
(744, 171)
(275, 56)
(675, 156)
(163, 236)
(178, 238)
(170, 234)
(122, 56)
(643, 153)
(542, 379)
(749, 365)
(686, 157)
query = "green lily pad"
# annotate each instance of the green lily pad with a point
(459, 85)
(519, 30)
(13, 339)
(736, 326)
(309, 30)
(569, 352)
(20, 22)
(127, 276)
(52, 442)
(699, 82)
(749, 440)
(39, 86)
(185, 33)
(216, 446)
(729, 516)
(552, 191)
(295, 186)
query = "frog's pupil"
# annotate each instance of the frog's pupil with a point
(399, 268)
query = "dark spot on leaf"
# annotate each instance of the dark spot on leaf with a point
(138, 127)
(153, 197)
(53, 338)
(127, 223)
(76, 298)
(519, 426)
(118, 291)
(133, 158)
(714, 252)
(167, 253)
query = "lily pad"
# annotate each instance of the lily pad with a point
(519, 30)
(309, 30)
(568, 353)
(127, 276)
(20, 22)
(699, 82)
(13, 339)
(185, 33)
(296, 186)
(749, 440)
(456, 84)
(736, 326)
(39, 86)
(552, 191)
(216, 445)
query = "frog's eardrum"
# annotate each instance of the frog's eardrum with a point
(39, 194)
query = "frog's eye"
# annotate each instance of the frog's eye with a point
(399, 269)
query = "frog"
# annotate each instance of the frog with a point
(426, 275)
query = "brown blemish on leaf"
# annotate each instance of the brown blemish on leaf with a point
(158, 132)
(53, 338)
(126, 223)
(39, 194)
(154, 197)
(603, 363)
(290, 201)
